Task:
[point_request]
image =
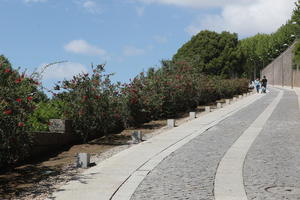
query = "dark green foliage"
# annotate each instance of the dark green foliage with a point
(18, 94)
(212, 53)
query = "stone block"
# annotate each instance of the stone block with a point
(137, 137)
(192, 115)
(240, 96)
(171, 123)
(227, 101)
(83, 160)
(219, 105)
(60, 125)
(207, 109)
(234, 99)
(244, 95)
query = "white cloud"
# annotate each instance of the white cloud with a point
(34, 1)
(82, 47)
(63, 71)
(132, 51)
(199, 3)
(160, 39)
(265, 16)
(91, 7)
(140, 11)
(246, 17)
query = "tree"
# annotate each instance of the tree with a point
(212, 53)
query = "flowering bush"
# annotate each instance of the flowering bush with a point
(92, 102)
(17, 98)
(97, 106)
(174, 88)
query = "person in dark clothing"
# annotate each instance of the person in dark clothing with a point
(264, 82)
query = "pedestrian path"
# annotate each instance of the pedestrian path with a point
(229, 181)
(182, 162)
(272, 165)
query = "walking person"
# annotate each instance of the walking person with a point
(264, 82)
(257, 84)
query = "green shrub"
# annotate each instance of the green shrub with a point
(18, 94)
(39, 119)
(92, 102)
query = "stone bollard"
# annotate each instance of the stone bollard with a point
(137, 137)
(171, 123)
(192, 115)
(227, 101)
(83, 160)
(244, 95)
(234, 99)
(207, 109)
(240, 96)
(219, 105)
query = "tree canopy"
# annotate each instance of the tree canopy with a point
(212, 53)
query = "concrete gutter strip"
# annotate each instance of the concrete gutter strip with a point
(229, 182)
(119, 176)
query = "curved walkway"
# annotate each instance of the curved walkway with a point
(182, 163)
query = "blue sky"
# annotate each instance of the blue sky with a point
(128, 35)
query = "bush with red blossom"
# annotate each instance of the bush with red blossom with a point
(92, 101)
(171, 89)
(17, 97)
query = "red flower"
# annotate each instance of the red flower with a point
(7, 70)
(29, 98)
(21, 124)
(7, 112)
(19, 100)
(84, 97)
(18, 80)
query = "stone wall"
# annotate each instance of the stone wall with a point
(280, 72)
(49, 142)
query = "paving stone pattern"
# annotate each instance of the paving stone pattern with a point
(189, 172)
(272, 166)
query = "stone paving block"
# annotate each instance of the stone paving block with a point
(83, 160)
(227, 101)
(207, 109)
(136, 137)
(171, 123)
(192, 115)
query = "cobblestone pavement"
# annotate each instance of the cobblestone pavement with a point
(189, 172)
(272, 166)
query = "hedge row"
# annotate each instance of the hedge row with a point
(99, 107)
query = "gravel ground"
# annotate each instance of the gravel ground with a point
(189, 172)
(272, 166)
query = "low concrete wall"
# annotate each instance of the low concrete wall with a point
(47, 142)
